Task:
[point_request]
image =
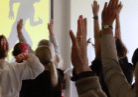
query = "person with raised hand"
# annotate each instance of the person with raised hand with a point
(21, 36)
(44, 50)
(12, 74)
(113, 75)
(53, 39)
(95, 10)
(121, 49)
(86, 82)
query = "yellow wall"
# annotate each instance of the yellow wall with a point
(36, 33)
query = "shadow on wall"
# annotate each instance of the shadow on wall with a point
(26, 11)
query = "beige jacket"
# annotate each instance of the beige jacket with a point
(89, 87)
(113, 75)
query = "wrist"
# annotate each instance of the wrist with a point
(19, 32)
(51, 33)
(95, 17)
(80, 70)
(82, 75)
(106, 27)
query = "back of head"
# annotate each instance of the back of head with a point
(44, 54)
(44, 42)
(4, 47)
(20, 48)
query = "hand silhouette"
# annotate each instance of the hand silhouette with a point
(11, 14)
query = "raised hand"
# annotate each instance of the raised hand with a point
(11, 14)
(95, 8)
(50, 27)
(20, 26)
(109, 15)
(79, 47)
(118, 10)
(109, 12)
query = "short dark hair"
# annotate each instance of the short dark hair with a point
(4, 46)
(121, 49)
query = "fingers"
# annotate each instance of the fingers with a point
(113, 4)
(72, 36)
(110, 4)
(79, 22)
(22, 56)
(85, 28)
(105, 6)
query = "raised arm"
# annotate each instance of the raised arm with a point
(54, 40)
(21, 36)
(86, 82)
(117, 28)
(113, 75)
(95, 10)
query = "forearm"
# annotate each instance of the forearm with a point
(113, 75)
(96, 37)
(53, 39)
(22, 39)
(89, 87)
(117, 28)
(117, 23)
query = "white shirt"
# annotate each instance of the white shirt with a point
(12, 74)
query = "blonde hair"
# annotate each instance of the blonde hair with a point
(45, 42)
(44, 54)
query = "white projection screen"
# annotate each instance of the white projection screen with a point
(35, 15)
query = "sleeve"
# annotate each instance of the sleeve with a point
(55, 43)
(22, 39)
(30, 69)
(57, 50)
(113, 75)
(89, 87)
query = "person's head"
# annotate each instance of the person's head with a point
(4, 47)
(20, 48)
(121, 49)
(45, 54)
(44, 42)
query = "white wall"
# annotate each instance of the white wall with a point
(71, 9)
